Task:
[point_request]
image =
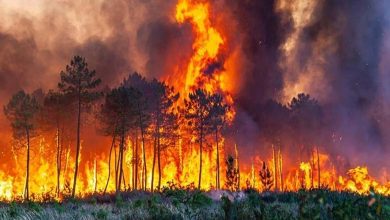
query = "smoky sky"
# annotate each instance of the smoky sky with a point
(351, 66)
(118, 37)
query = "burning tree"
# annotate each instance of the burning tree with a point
(79, 84)
(232, 173)
(197, 114)
(21, 111)
(142, 110)
(164, 120)
(266, 177)
(118, 116)
(55, 112)
(218, 117)
(306, 120)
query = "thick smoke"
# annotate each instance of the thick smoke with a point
(332, 51)
(337, 51)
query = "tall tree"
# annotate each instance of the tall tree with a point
(79, 84)
(197, 110)
(117, 116)
(164, 120)
(307, 121)
(21, 111)
(141, 99)
(219, 119)
(54, 116)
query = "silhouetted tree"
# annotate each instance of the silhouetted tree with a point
(231, 174)
(21, 111)
(141, 99)
(306, 119)
(55, 112)
(218, 117)
(118, 115)
(266, 177)
(164, 121)
(79, 84)
(197, 114)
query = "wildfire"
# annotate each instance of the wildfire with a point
(180, 164)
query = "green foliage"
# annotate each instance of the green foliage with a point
(34, 206)
(14, 210)
(21, 111)
(101, 214)
(119, 201)
(58, 207)
(195, 204)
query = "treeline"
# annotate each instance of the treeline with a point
(146, 109)
(154, 113)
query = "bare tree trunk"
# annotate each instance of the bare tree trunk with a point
(159, 160)
(275, 168)
(58, 161)
(200, 156)
(116, 160)
(312, 164)
(280, 158)
(144, 170)
(154, 162)
(26, 195)
(237, 167)
(319, 168)
(77, 147)
(136, 161)
(109, 164)
(120, 160)
(217, 174)
(133, 165)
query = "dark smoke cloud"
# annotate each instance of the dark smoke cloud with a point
(351, 69)
(262, 31)
(165, 45)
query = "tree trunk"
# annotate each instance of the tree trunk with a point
(77, 148)
(116, 160)
(280, 158)
(154, 162)
(136, 161)
(120, 160)
(237, 167)
(275, 168)
(109, 164)
(217, 174)
(26, 195)
(159, 160)
(312, 168)
(319, 169)
(200, 157)
(58, 161)
(144, 170)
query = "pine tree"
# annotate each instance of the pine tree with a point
(79, 84)
(21, 111)
(218, 117)
(196, 112)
